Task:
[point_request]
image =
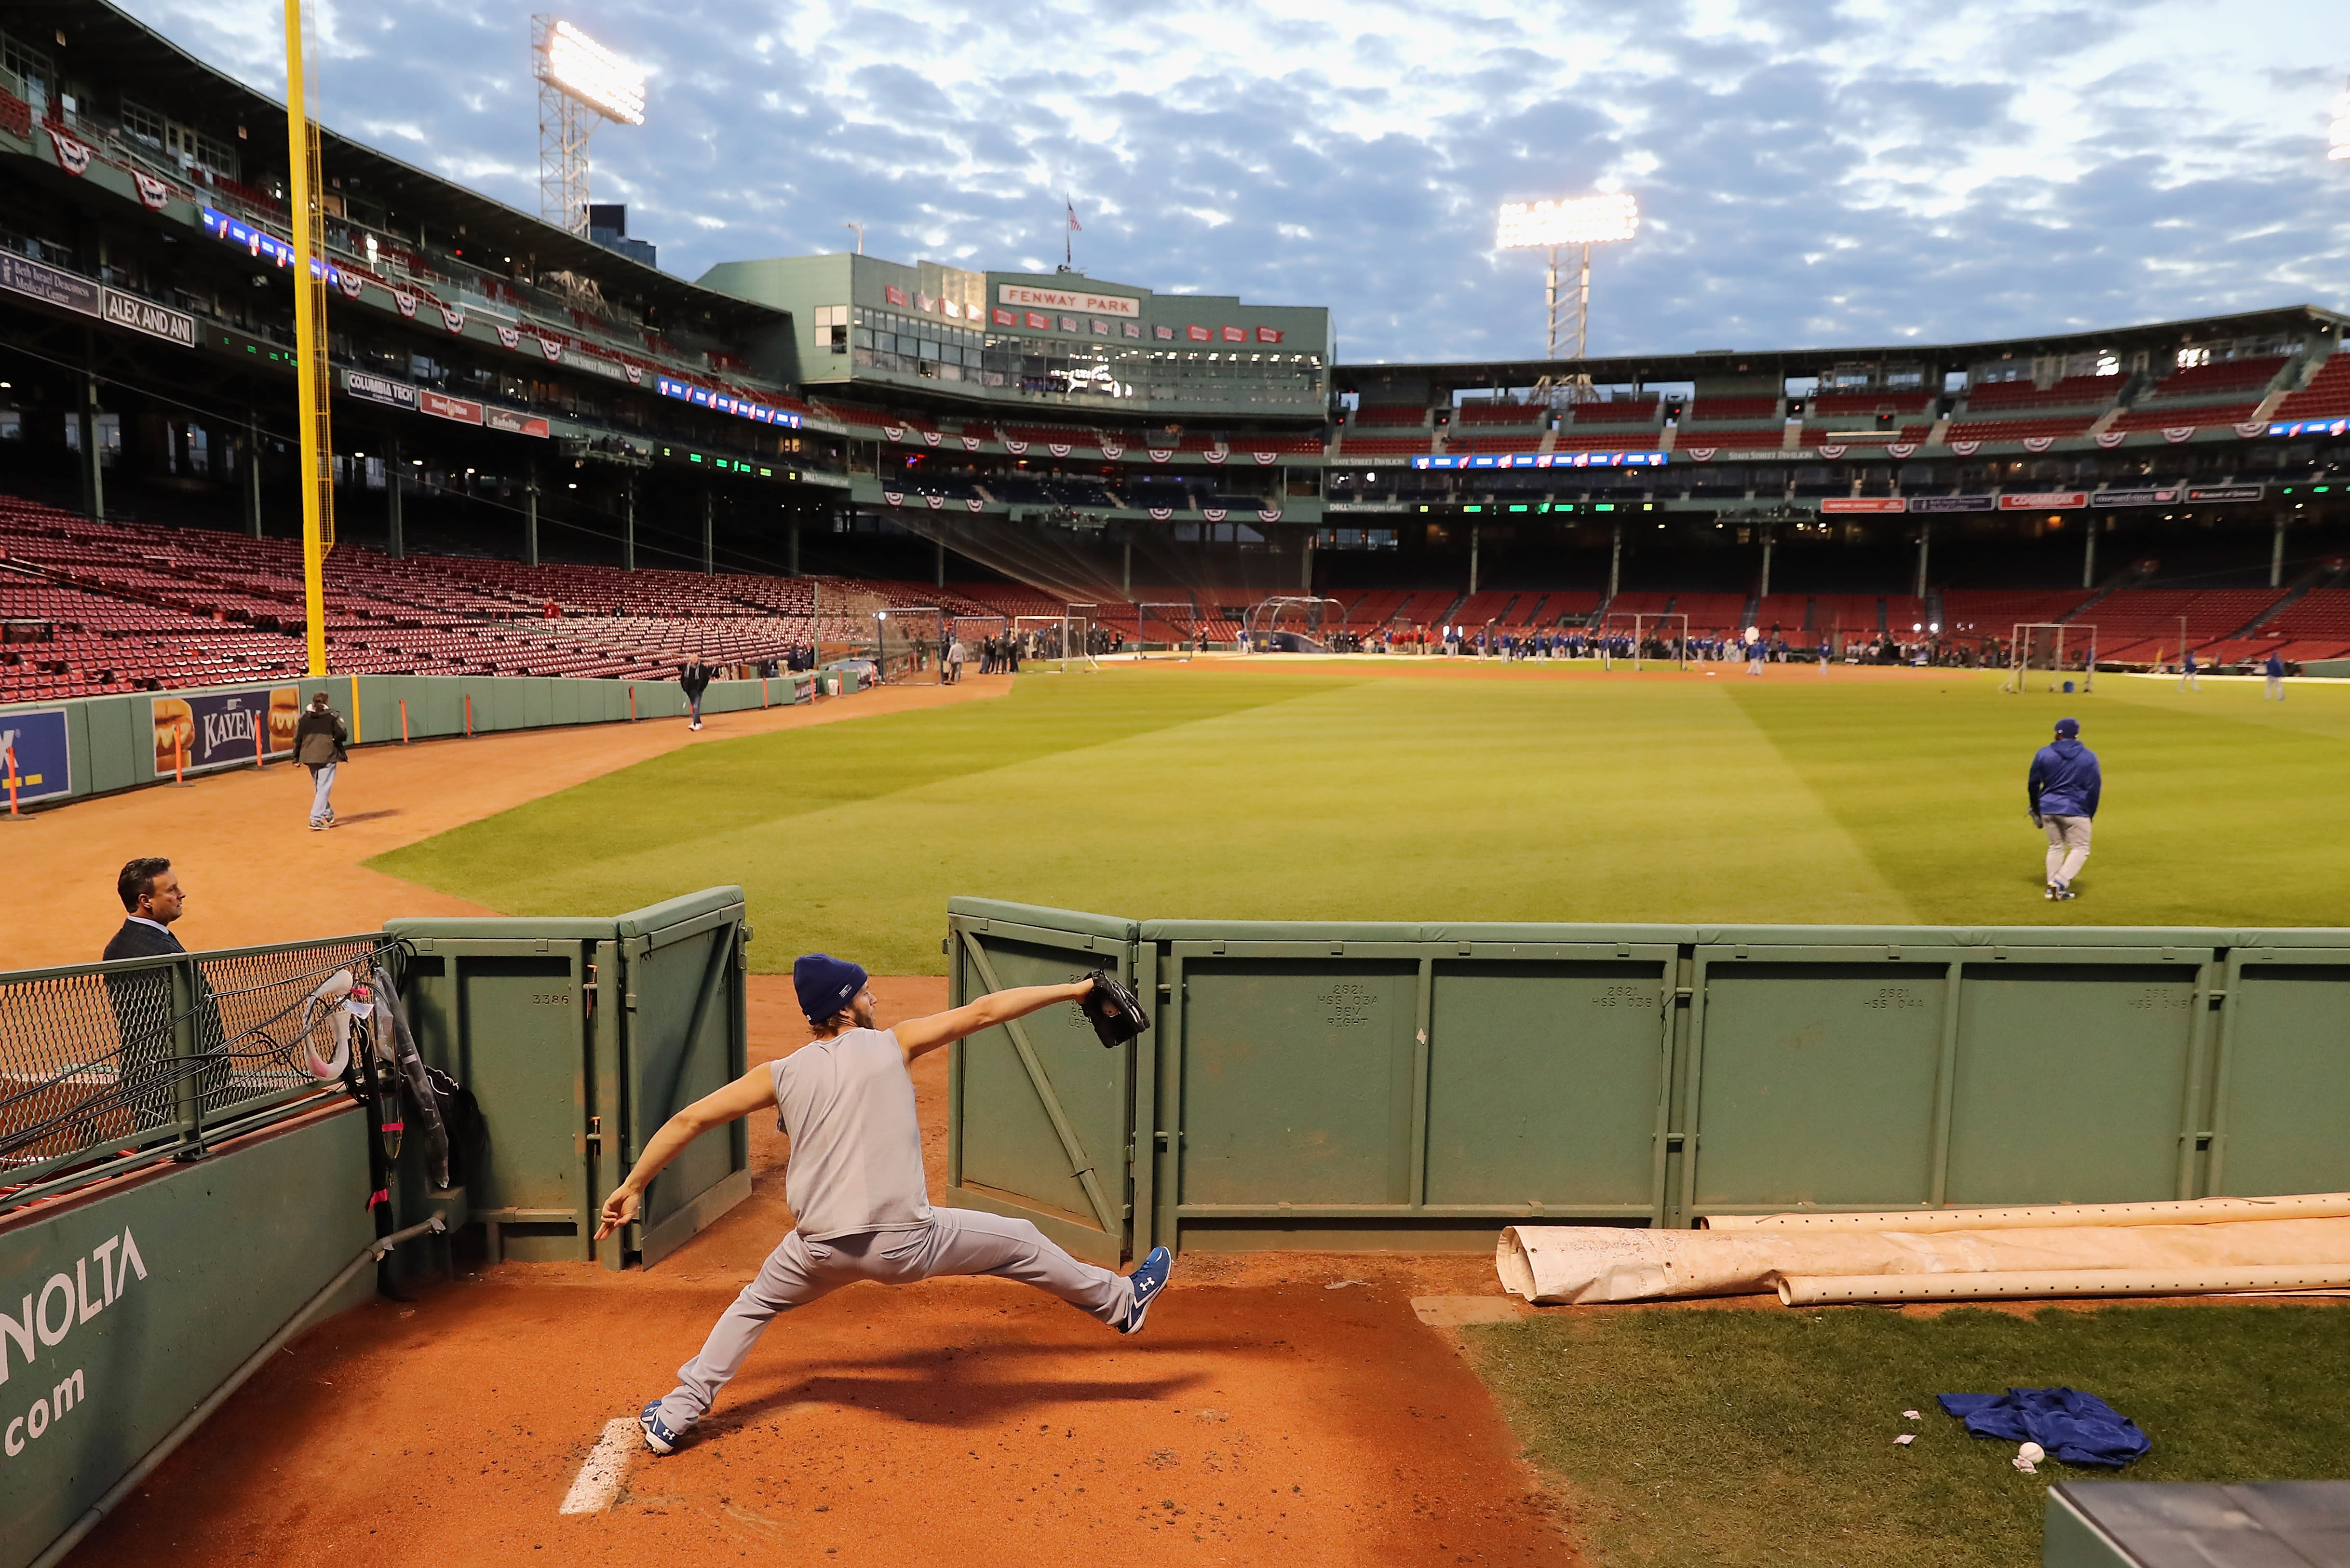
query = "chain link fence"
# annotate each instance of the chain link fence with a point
(103, 1066)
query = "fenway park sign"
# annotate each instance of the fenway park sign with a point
(1085, 300)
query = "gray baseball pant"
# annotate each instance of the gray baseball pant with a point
(2068, 846)
(956, 1241)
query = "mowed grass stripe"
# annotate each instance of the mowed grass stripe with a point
(1340, 800)
(2214, 810)
(680, 799)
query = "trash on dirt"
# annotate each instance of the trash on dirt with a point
(1342, 1285)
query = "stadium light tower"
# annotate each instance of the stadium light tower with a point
(1582, 221)
(580, 83)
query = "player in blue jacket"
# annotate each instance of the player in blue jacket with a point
(2063, 786)
(2274, 670)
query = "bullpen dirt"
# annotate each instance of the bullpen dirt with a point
(1284, 1409)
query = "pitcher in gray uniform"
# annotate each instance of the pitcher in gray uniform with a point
(855, 1182)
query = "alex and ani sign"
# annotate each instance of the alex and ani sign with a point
(52, 285)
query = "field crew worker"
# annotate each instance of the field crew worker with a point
(2274, 670)
(2063, 786)
(856, 1183)
(318, 745)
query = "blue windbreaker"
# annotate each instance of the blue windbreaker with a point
(2064, 780)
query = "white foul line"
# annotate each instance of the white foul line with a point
(599, 1478)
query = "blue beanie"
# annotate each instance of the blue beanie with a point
(2068, 728)
(825, 985)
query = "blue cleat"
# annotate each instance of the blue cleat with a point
(1149, 1278)
(658, 1436)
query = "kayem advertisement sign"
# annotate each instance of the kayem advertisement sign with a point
(43, 763)
(204, 731)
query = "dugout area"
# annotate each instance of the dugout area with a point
(1329, 1121)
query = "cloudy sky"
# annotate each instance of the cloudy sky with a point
(1810, 172)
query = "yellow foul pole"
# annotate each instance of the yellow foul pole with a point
(306, 214)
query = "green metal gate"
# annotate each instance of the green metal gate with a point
(1041, 1118)
(578, 1038)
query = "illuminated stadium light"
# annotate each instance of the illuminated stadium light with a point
(2337, 135)
(1582, 222)
(580, 84)
(595, 75)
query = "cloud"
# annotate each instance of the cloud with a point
(1865, 172)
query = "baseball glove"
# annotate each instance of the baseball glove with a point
(1114, 1012)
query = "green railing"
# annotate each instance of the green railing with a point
(1414, 1085)
(105, 1066)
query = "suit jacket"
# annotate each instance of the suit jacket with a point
(137, 941)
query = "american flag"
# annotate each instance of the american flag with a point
(1074, 226)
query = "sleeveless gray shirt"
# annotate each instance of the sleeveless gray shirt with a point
(848, 1106)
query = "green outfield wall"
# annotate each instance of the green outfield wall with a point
(1334, 1084)
(128, 1304)
(83, 746)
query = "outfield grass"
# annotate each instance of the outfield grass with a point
(1329, 791)
(1737, 1437)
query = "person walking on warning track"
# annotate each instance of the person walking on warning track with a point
(2187, 682)
(694, 679)
(2274, 670)
(318, 740)
(2063, 786)
(846, 1101)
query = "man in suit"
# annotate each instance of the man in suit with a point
(142, 999)
(151, 894)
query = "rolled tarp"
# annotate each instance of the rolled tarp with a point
(1582, 1264)
(2182, 1211)
(1806, 1289)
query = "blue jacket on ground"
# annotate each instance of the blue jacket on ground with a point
(2064, 780)
(2076, 1427)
